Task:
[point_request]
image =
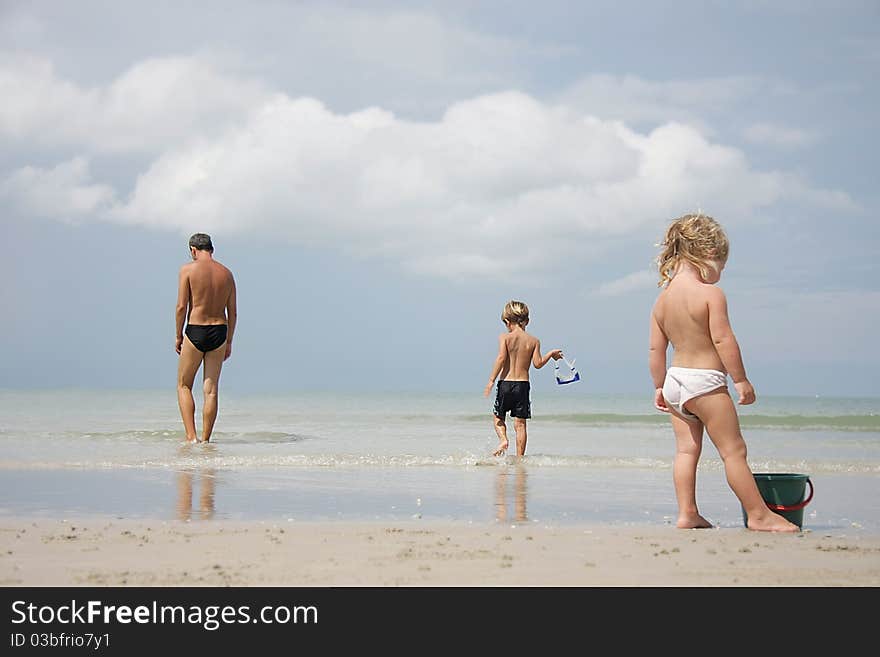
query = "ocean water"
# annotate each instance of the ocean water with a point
(395, 456)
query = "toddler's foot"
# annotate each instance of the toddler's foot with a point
(501, 449)
(693, 521)
(771, 522)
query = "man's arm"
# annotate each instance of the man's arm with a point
(539, 361)
(727, 346)
(658, 343)
(500, 359)
(183, 296)
(231, 318)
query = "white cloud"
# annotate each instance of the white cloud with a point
(63, 192)
(500, 184)
(154, 105)
(350, 55)
(639, 280)
(482, 190)
(767, 133)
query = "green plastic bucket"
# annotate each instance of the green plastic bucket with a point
(784, 493)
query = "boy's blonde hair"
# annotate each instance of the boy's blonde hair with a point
(697, 238)
(515, 312)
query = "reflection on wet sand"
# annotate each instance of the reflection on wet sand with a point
(185, 481)
(505, 479)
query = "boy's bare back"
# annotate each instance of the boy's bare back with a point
(522, 350)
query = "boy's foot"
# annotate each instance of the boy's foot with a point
(771, 522)
(501, 449)
(695, 521)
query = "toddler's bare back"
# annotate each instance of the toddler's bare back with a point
(682, 312)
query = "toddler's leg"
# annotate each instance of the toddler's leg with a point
(519, 425)
(501, 430)
(718, 413)
(688, 447)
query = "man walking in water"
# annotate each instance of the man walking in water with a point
(206, 300)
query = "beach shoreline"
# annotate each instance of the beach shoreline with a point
(98, 551)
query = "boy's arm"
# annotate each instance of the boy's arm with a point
(727, 346)
(180, 309)
(658, 343)
(500, 359)
(539, 361)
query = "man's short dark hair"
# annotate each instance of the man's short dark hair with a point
(201, 242)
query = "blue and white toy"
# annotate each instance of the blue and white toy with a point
(568, 374)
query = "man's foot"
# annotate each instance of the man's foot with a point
(771, 522)
(194, 439)
(693, 521)
(501, 449)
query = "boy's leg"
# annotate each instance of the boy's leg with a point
(519, 425)
(213, 365)
(501, 430)
(688, 447)
(718, 413)
(187, 365)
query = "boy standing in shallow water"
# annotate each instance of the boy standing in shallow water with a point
(517, 351)
(691, 314)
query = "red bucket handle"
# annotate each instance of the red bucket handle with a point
(793, 507)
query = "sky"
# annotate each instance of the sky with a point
(381, 177)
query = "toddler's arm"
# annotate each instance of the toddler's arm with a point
(658, 343)
(727, 346)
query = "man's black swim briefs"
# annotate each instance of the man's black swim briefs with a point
(513, 396)
(206, 337)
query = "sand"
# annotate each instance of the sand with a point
(114, 552)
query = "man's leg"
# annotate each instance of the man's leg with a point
(187, 365)
(213, 365)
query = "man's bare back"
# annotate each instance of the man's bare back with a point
(210, 285)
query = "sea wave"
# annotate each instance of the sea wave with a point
(215, 461)
(869, 422)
